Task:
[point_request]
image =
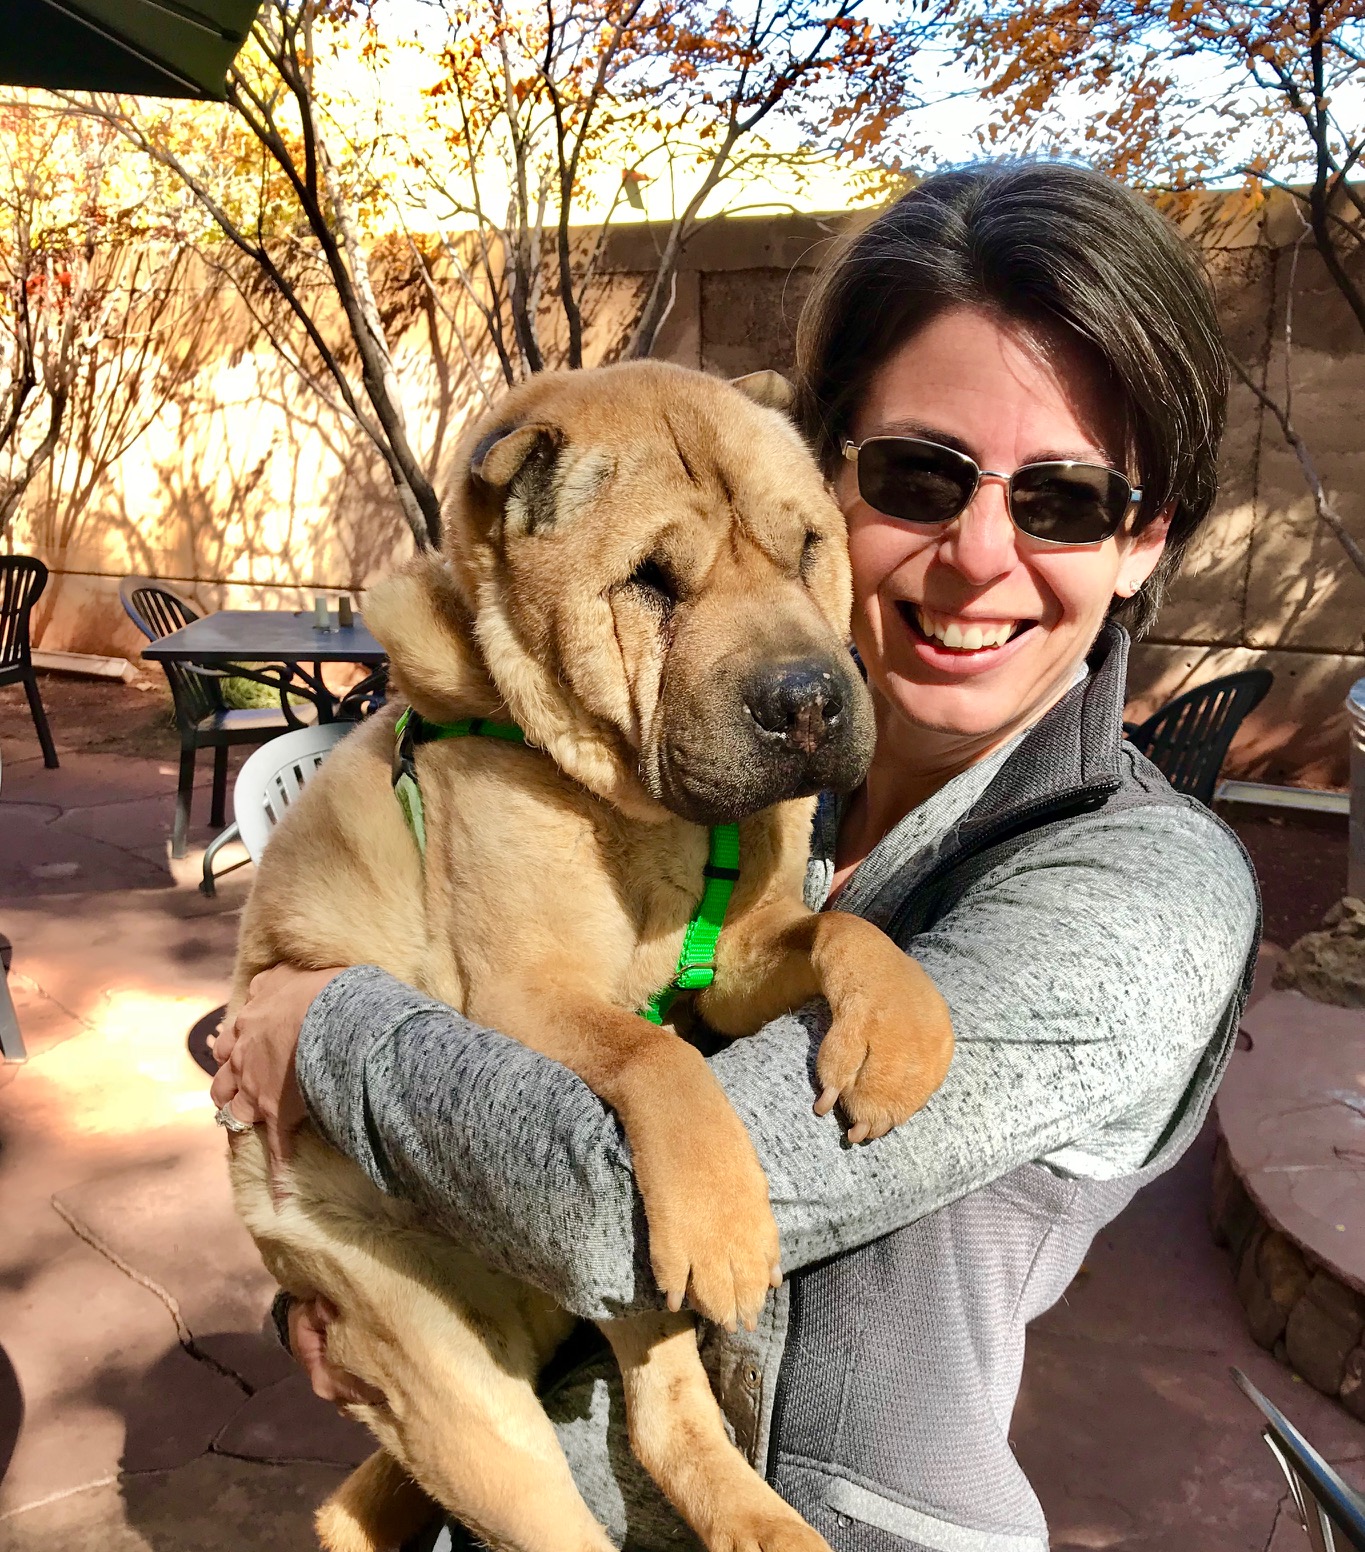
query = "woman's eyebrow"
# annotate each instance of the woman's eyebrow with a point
(930, 433)
(920, 428)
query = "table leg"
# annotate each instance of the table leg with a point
(323, 697)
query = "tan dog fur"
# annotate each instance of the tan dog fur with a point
(557, 883)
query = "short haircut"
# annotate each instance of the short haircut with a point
(1064, 251)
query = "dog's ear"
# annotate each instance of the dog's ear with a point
(770, 389)
(518, 462)
(500, 454)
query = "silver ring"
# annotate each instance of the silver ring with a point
(225, 1117)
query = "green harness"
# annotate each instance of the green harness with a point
(697, 959)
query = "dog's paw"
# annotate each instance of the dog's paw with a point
(880, 1068)
(712, 1239)
(773, 1532)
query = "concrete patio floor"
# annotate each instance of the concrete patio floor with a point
(140, 1406)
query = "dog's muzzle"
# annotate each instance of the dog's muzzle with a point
(785, 730)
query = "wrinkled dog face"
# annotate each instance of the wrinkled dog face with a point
(662, 549)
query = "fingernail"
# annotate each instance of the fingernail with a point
(775, 1276)
(826, 1101)
(675, 1301)
(859, 1132)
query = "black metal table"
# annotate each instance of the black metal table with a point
(234, 639)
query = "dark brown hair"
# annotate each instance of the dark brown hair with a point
(1067, 252)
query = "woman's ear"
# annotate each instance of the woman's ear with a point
(1140, 553)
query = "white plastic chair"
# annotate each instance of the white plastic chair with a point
(269, 781)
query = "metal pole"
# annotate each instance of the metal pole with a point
(1355, 866)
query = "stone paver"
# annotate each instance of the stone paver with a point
(133, 1442)
(1292, 1108)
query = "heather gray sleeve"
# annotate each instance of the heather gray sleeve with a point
(1085, 978)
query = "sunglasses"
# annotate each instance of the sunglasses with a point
(918, 481)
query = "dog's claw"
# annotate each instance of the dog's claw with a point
(828, 1098)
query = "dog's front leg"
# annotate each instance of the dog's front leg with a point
(891, 1040)
(711, 1232)
(679, 1437)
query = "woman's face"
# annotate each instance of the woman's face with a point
(985, 387)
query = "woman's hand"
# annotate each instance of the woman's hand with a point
(255, 1055)
(308, 1322)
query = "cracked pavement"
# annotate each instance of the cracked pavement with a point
(140, 1405)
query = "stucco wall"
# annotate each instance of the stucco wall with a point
(247, 491)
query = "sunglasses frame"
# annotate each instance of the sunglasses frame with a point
(849, 450)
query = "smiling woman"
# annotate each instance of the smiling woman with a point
(1014, 380)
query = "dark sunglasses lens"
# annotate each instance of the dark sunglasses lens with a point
(913, 480)
(1068, 503)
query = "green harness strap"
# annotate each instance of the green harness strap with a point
(697, 958)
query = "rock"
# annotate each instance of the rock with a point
(1322, 1329)
(1329, 965)
(1232, 1214)
(1352, 1390)
(1271, 1280)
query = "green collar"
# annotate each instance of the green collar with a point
(696, 967)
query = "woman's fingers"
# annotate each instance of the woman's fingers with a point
(224, 1038)
(308, 1322)
(223, 1089)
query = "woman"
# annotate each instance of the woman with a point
(1015, 379)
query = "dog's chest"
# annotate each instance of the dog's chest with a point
(526, 874)
(659, 876)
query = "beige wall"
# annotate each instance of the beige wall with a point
(247, 491)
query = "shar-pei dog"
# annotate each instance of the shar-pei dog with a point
(643, 572)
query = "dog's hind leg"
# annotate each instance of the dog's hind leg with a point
(514, 1494)
(462, 1416)
(679, 1437)
(377, 1506)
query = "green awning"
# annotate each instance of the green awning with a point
(157, 48)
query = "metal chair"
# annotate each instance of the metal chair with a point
(11, 1041)
(204, 719)
(1188, 739)
(270, 779)
(22, 580)
(1331, 1512)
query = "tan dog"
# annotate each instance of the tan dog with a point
(643, 570)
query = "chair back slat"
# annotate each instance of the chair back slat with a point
(1188, 739)
(272, 778)
(157, 611)
(22, 580)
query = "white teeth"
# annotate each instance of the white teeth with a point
(971, 638)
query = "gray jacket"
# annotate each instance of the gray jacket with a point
(1094, 936)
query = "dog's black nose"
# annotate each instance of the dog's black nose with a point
(800, 703)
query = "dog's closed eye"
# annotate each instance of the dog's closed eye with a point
(654, 584)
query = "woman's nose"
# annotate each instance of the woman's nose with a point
(980, 544)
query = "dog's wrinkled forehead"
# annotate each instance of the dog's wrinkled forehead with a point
(543, 476)
(709, 449)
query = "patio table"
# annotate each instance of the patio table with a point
(287, 639)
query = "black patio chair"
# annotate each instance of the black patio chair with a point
(22, 580)
(1188, 739)
(204, 719)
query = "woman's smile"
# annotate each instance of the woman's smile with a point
(956, 643)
